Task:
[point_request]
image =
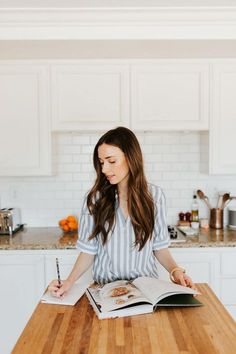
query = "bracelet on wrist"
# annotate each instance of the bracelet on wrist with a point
(175, 269)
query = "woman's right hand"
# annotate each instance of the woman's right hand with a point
(59, 290)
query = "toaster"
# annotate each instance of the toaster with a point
(10, 220)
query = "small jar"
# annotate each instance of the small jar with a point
(188, 216)
(181, 216)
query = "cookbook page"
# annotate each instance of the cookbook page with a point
(117, 295)
(155, 289)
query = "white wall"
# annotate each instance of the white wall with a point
(172, 160)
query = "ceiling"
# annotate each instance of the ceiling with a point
(113, 3)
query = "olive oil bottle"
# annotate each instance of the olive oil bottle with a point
(195, 209)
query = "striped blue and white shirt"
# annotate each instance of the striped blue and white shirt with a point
(119, 258)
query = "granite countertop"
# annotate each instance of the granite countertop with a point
(46, 238)
(209, 238)
(39, 238)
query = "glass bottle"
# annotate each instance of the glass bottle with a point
(195, 209)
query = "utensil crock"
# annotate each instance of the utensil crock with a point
(216, 218)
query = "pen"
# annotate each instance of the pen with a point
(58, 273)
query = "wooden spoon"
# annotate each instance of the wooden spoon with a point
(227, 201)
(204, 197)
(225, 198)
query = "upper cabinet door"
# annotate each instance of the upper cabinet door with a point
(223, 119)
(89, 96)
(25, 143)
(170, 95)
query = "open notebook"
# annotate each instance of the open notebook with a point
(76, 292)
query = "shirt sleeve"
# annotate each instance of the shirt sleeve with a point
(160, 233)
(86, 224)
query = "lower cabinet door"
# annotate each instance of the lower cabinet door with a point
(202, 266)
(22, 284)
(66, 262)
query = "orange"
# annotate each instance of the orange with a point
(62, 222)
(65, 228)
(73, 225)
(71, 218)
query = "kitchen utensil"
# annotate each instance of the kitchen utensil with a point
(228, 201)
(220, 199)
(216, 218)
(225, 197)
(204, 197)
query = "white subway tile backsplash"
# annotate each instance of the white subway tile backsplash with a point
(164, 148)
(87, 167)
(69, 167)
(86, 185)
(153, 177)
(81, 140)
(94, 139)
(162, 166)
(64, 159)
(171, 159)
(83, 158)
(153, 158)
(147, 149)
(69, 149)
(65, 177)
(81, 176)
(63, 195)
(72, 204)
(152, 139)
(171, 176)
(74, 186)
(87, 149)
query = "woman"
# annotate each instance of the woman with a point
(123, 223)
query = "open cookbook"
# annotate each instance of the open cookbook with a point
(143, 295)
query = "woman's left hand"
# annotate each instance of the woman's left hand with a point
(182, 278)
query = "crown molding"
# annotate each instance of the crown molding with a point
(120, 23)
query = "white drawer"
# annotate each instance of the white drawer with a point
(228, 291)
(228, 263)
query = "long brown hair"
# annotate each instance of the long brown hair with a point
(101, 198)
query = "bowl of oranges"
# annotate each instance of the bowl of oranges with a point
(69, 224)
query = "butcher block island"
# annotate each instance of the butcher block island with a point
(28, 260)
(76, 329)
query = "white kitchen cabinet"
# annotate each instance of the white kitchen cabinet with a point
(201, 265)
(170, 95)
(89, 95)
(22, 284)
(215, 266)
(222, 140)
(228, 279)
(25, 144)
(66, 261)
